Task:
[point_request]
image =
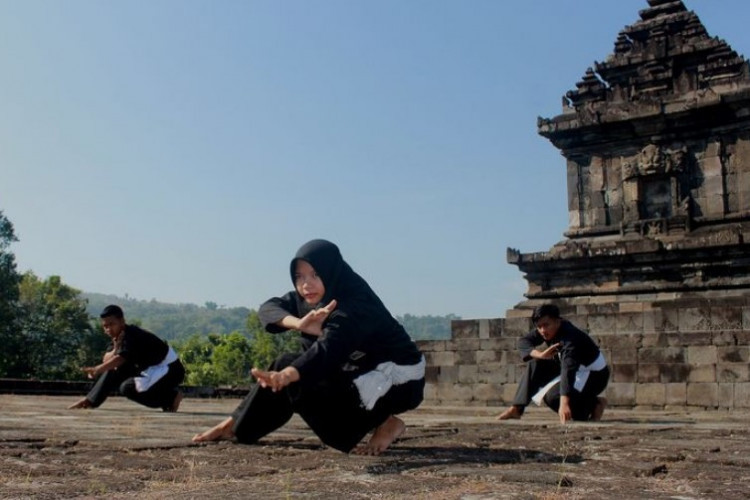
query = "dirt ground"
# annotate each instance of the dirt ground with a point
(122, 450)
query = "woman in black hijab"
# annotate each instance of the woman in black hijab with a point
(358, 370)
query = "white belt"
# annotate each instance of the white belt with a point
(375, 383)
(582, 376)
(154, 373)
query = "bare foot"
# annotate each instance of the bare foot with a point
(175, 404)
(83, 403)
(383, 437)
(601, 405)
(218, 432)
(514, 413)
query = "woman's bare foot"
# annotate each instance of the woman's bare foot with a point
(382, 437)
(601, 405)
(218, 432)
(514, 412)
(175, 404)
(83, 403)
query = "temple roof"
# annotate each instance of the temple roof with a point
(666, 56)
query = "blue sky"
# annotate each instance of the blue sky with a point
(183, 150)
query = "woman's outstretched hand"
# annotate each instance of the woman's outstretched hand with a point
(312, 322)
(276, 380)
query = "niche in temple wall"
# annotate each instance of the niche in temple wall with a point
(657, 191)
(649, 192)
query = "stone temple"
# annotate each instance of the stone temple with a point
(655, 263)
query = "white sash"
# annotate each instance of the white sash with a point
(374, 384)
(154, 373)
(582, 376)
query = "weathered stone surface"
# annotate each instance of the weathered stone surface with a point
(694, 319)
(623, 355)
(465, 357)
(444, 358)
(431, 374)
(726, 318)
(499, 344)
(468, 374)
(629, 323)
(733, 372)
(726, 395)
(733, 354)
(702, 373)
(656, 340)
(484, 328)
(676, 394)
(487, 392)
(448, 375)
(673, 372)
(496, 373)
(621, 393)
(742, 395)
(497, 327)
(624, 373)
(464, 344)
(449, 393)
(698, 355)
(515, 327)
(661, 355)
(648, 373)
(703, 394)
(650, 394)
(465, 329)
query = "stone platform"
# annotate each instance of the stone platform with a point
(122, 450)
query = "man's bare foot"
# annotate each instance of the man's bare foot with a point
(601, 405)
(514, 412)
(83, 403)
(175, 404)
(382, 437)
(218, 432)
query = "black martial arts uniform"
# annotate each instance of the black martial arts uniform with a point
(141, 350)
(358, 335)
(577, 352)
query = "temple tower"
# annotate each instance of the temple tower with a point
(655, 263)
(657, 143)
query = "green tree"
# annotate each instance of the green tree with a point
(195, 353)
(231, 359)
(9, 280)
(266, 347)
(54, 328)
(216, 359)
(227, 359)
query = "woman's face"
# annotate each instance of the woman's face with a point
(307, 283)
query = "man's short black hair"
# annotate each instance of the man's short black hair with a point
(112, 310)
(549, 310)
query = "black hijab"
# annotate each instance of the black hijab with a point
(360, 324)
(352, 293)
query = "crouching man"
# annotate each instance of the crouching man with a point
(568, 373)
(141, 365)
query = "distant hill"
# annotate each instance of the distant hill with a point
(177, 321)
(173, 321)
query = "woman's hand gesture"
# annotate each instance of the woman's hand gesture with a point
(312, 322)
(276, 380)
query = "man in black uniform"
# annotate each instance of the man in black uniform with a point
(143, 367)
(569, 374)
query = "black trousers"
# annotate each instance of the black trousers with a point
(331, 408)
(160, 395)
(539, 372)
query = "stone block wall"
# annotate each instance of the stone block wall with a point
(665, 351)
